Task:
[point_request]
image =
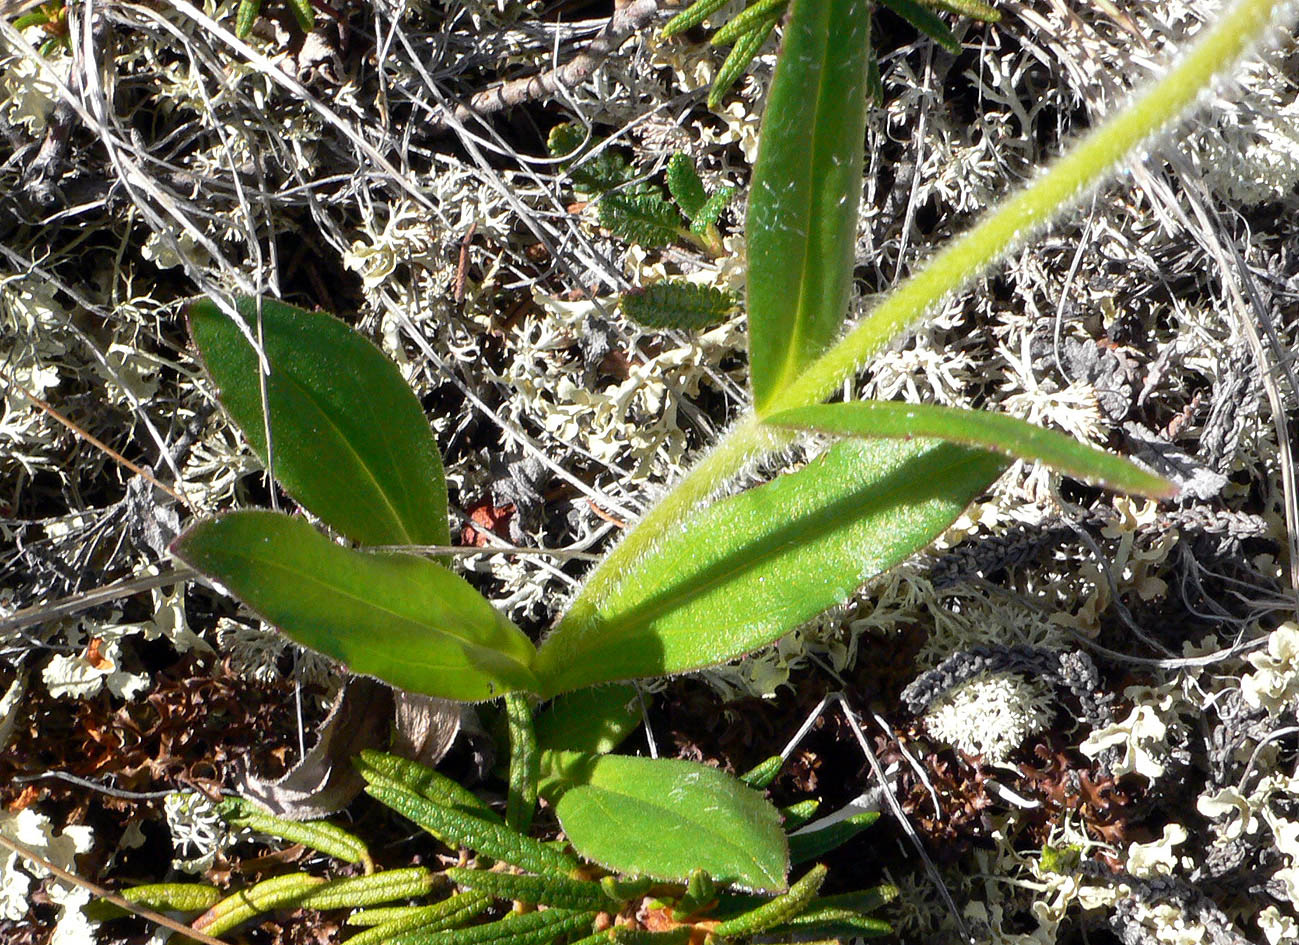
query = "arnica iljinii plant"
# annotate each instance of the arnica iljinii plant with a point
(698, 581)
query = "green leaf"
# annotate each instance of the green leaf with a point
(741, 54)
(673, 303)
(970, 8)
(317, 834)
(750, 18)
(664, 818)
(712, 209)
(385, 886)
(246, 16)
(977, 428)
(406, 620)
(521, 801)
(379, 767)
(685, 186)
(925, 20)
(536, 890)
(304, 13)
(646, 219)
(779, 910)
(350, 439)
(798, 813)
(168, 897)
(593, 720)
(815, 843)
(388, 923)
(802, 219)
(692, 16)
(763, 773)
(456, 828)
(529, 928)
(752, 567)
(276, 893)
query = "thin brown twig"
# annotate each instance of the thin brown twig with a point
(75, 603)
(93, 441)
(627, 19)
(144, 913)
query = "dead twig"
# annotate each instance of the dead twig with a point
(156, 917)
(627, 19)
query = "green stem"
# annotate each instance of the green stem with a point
(965, 259)
(1072, 175)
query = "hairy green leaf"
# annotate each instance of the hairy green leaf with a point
(528, 928)
(406, 620)
(664, 818)
(384, 886)
(756, 565)
(521, 801)
(351, 442)
(990, 431)
(677, 304)
(802, 220)
(593, 720)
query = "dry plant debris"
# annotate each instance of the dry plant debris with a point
(1147, 788)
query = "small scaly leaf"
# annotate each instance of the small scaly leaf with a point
(741, 54)
(778, 910)
(356, 891)
(536, 890)
(318, 835)
(388, 923)
(691, 17)
(685, 186)
(750, 18)
(645, 219)
(379, 767)
(275, 893)
(810, 845)
(164, 897)
(458, 829)
(674, 303)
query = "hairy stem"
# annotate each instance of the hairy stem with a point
(1094, 158)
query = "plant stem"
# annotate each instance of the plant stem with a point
(1081, 168)
(1070, 178)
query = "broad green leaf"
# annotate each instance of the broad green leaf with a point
(663, 818)
(802, 220)
(990, 431)
(406, 620)
(593, 720)
(740, 574)
(351, 442)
